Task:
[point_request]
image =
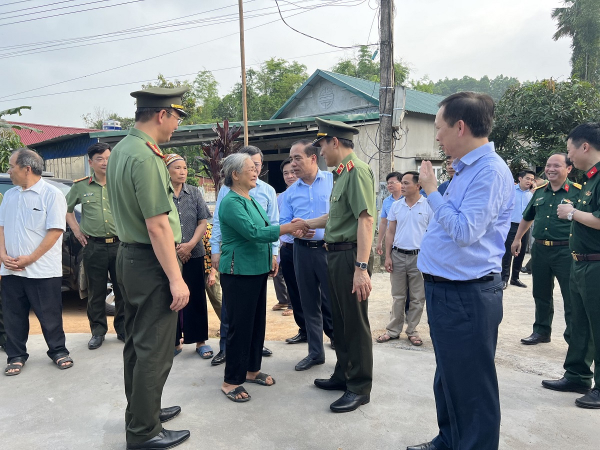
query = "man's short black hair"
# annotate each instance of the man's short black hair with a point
(568, 162)
(476, 110)
(398, 176)
(301, 141)
(586, 132)
(415, 176)
(97, 148)
(343, 142)
(284, 163)
(522, 173)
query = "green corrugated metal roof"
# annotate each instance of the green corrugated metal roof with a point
(416, 101)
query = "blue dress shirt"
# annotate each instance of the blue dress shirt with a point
(471, 221)
(265, 195)
(386, 204)
(308, 201)
(284, 237)
(442, 187)
(522, 199)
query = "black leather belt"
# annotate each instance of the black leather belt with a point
(309, 244)
(338, 247)
(435, 279)
(552, 243)
(588, 257)
(110, 240)
(406, 252)
(136, 245)
(287, 244)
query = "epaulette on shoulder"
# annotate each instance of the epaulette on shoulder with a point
(539, 187)
(577, 185)
(80, 179)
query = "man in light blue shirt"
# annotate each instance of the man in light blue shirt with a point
(460, 260)
(265, 195)
(393, 186)
(522, 197)
(308, 198)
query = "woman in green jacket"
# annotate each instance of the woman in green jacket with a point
(246, 237)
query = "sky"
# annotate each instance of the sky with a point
(435, 38)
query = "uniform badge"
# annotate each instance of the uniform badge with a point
(339, 169)
(567, 187)
(350, 166)
(590, 173)
(588, 193)
(80, 179)
(89, 194)
(155, 149)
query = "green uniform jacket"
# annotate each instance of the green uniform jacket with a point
(246, 236)
(96, 217)
(353, 192)
(543, 206)
(140, 177)
(585, 240)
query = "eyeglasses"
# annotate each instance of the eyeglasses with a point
(391, 183)
(179, 119)
(258, 166)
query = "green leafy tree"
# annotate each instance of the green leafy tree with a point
(189, 100)
(205, 90)
(96, 119)
(532, 121)
(9, 140)
(580, 21)
(423, 85)
(495, 87)
(363, 66)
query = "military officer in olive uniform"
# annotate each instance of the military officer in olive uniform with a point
(348, 236)
(98, 236)
(148, 271)
(550, 254)
(583, 145)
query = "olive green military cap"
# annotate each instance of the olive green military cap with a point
(333, 128)
(161, 98)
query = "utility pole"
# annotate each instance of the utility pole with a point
(386, 90)
(243, 56)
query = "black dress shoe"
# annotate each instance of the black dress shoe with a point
(425, 446)
(267, 352)
(517, 283)
(590, 400)
(218, 359)
(332, 344)
(349, 402)
(121, 337)
(164, 439)
(167, 414)
(296, 339)
(308, 362)
(95, 342)
(504, 285)
(330, 385)
(524, 270)
(564, 385)
(535, 338)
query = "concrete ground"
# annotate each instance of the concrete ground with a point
(83, 407)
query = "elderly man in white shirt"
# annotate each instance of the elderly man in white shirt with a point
(407, 222)
(32, 221)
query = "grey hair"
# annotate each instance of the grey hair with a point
(27, 157)
(233, 163)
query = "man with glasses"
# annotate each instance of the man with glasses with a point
(98, 236)
(265, 195)
(148, 271)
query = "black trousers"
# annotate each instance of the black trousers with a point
(508, 257)
(286, 266)
(43, 295)
(100, 259)
(463, 320)
(2, 330)
(192, 323)
(313, 284)
(245, 298)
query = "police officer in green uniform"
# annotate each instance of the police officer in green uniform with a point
(98, 236)
(348, 236)
(148, 271)
(550, 254)
(583, 145)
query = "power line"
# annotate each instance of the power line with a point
(43, 6)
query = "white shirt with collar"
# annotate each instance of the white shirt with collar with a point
(27, 215)
(411, 222)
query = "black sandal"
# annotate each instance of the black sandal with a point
(14, 366)
(62, 361)
(231, 395)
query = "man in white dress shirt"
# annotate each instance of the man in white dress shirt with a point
(32, 221)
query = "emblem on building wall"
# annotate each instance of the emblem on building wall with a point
(326, 97)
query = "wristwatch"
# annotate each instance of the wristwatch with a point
(570, 215)
(362, 265)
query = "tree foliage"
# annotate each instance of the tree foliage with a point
(495, 87)
(532, 121)
(96, 119)
(580, 21)
(9, 140)
(363, 66)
